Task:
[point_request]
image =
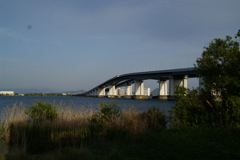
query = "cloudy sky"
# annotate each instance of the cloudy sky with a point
(77, 44)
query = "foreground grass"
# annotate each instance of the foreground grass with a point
(108, 134)
(215, 143)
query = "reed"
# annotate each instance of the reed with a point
(12, 115)
(109, 133)
(73, 127)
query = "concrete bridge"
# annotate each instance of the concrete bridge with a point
(122, 85)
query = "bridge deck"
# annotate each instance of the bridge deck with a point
(129, 78)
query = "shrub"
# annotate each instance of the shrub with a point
(106, 116)
(154, 118)
(188, 110)
(110, 111)
(42, 111)
(203, 110)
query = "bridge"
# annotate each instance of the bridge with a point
(167, 79)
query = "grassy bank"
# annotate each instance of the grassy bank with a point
(109, 133)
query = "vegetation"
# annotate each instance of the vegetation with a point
(42, 111)
(109, 133)
(103, 119)
(218, 103)
(188, 110)
(154, 118)
(44, 127)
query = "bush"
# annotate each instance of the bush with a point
(42, 111)
(154, 118)
(106, 116)
(189, 110)
(203, 110)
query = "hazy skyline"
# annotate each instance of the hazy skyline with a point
(68, 45)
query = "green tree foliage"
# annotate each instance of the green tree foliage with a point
(195, 110)
(42, 111)
(219, 66)
(187, 109)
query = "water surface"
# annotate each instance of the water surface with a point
(78, 102)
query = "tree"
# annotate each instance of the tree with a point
(219, 66)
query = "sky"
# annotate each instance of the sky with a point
(66, 45)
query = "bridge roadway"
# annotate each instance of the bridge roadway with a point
(167, 80)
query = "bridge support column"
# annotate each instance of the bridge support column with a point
(147, 91)
(178, 81)
(139, 90)
(171, 88)
(128, 91)
(101, 92)
(91, 94)
(162, 94)
(95, 93)
(112, 92)
(121, 92)
(117, 92)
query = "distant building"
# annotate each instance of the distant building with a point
(147, 91)
(121, 91)
(7, 93)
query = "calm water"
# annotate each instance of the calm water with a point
(141, 105)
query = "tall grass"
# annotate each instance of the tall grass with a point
(73, 127)
(12, 115)
(109, 133)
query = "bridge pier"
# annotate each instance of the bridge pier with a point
(176, 81)
(92, 94)
(112, 92)
(162, 94)
(95, 93)
(128, 91)
(139, 91)
(89, 94)
(101, 92)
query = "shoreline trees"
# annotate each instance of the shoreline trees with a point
(219, 67)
